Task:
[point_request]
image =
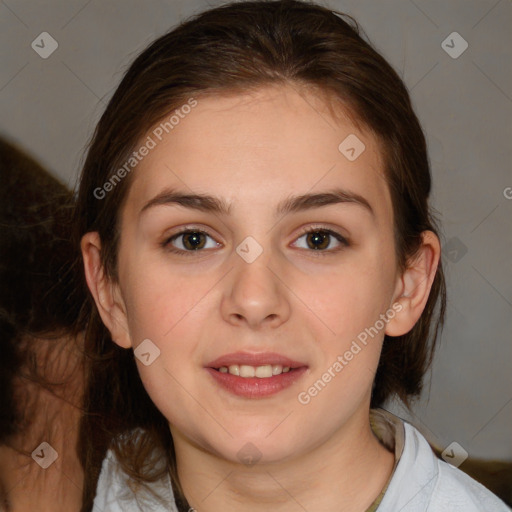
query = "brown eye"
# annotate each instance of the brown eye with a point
(318, 240)
(322, 240)
(194, 240)
(189, 241)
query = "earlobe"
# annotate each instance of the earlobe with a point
(413, 287)
(106, 294)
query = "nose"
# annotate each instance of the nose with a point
(255, 295)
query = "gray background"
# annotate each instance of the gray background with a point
(50, 107)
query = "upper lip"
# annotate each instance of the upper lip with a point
(254, 359)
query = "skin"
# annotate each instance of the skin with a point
(254, 151)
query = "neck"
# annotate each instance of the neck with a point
(346, 472)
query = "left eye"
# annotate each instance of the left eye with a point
(320, 239)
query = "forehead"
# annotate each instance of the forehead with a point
(254, 149)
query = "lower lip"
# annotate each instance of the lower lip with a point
(254, 387)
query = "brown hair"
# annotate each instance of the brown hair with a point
(38, 297)
(41, 355)
(230, 49)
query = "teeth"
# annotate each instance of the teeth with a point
(246, 371)
(262, 372)
(276, 369)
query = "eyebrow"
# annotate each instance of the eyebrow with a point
(293, 204)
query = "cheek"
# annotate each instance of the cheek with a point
(158, 299)
(349, 301)
(171, 313)
(342, 378)
(349, 298)
(168, 308)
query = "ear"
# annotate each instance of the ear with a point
(106, 294)
(413, 286)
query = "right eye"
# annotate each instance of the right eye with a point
(188, 241)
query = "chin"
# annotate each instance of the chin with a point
(251, 451)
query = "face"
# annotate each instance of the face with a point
(290, 263)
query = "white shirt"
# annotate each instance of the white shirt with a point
(420, 482)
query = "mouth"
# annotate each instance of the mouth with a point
(255, 375)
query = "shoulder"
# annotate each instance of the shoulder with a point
(458, 491)
(117, 492)
(422, 482)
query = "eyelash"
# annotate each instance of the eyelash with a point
(317, 229)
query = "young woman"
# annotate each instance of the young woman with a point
(265, 272)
